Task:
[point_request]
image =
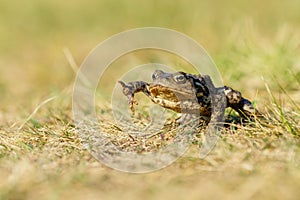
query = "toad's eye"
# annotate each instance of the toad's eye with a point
(180, 78)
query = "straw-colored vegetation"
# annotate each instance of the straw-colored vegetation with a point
(255, 44)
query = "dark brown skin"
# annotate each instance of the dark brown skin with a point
(188, 93)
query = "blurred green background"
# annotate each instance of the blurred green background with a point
(247, 39)
(41, 155)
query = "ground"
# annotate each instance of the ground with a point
(255, 45)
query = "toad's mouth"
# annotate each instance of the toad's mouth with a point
(169, 94)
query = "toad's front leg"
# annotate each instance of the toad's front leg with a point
(130, 88)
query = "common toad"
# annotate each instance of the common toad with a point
(187, 93)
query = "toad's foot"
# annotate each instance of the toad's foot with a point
(130, 88)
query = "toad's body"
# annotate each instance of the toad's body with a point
(187, 93)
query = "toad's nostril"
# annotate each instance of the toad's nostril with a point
(157, 73)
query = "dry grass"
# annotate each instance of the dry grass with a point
(256, 46)
(46, 160)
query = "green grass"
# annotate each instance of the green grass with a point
(255, 46)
